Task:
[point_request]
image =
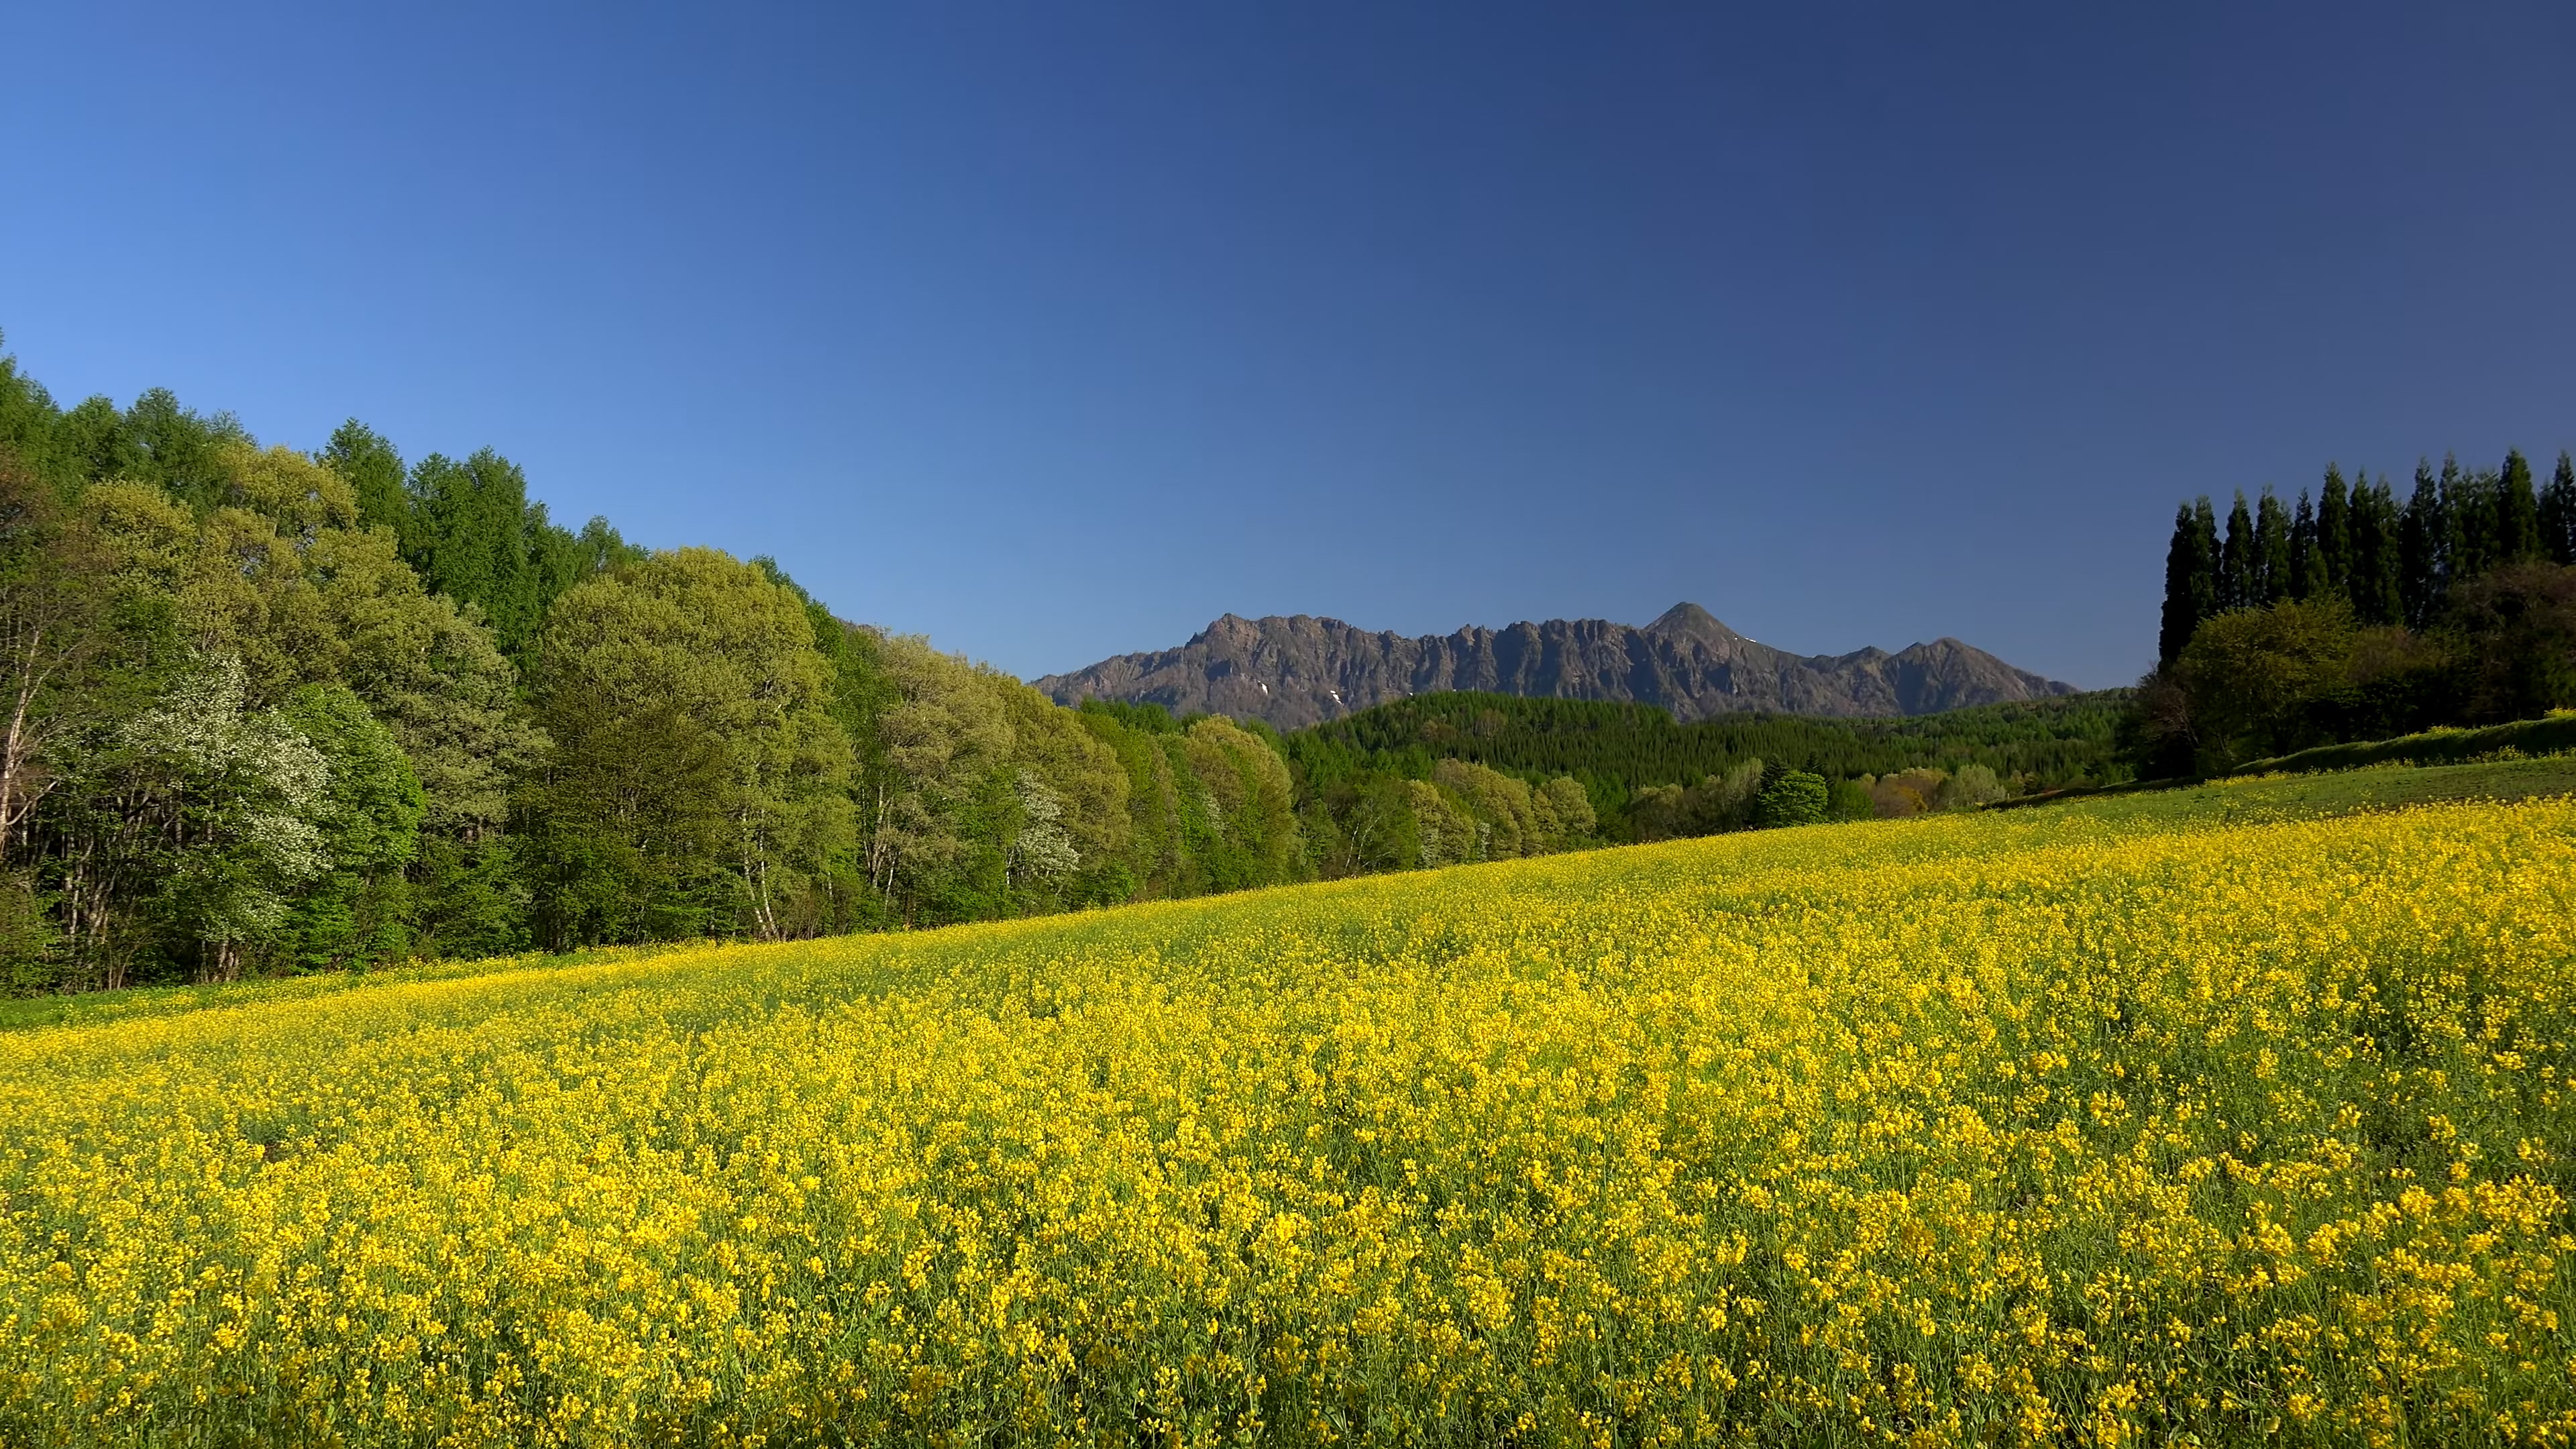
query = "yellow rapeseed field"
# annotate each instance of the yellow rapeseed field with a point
(2020, 1129)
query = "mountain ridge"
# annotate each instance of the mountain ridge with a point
(1294, 670)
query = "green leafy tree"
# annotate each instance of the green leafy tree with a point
(1068, 839)
(1722, 801)
(1563, 810)
(1968, 787)
(470, 541)
(30, 427)
(2254, 678)
(935, 795)
(1506, 816)
(1250, 805)
(179, 451)
(474, 536)
(1795, 798)
(330, 602)
(357, 910)
(1443, 828)
(714, 651)
(1850, 800)
(627, 829)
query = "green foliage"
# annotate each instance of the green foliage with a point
(356, 912)
(474, 536)
(1146, 718)
(1849, 800)
(625, 830)
(1796, 798)
(2455, 612)
(2553, 734)
(471, 897)
(1719, 802)
(314, 712)
(2191, 576)
(707, 668)
(2510, 635)
(2253, 676)
(1617, 749)
(28, 937)
(375, 475)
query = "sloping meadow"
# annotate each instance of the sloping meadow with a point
(2032, 1128)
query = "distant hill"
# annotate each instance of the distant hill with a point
(1299, 670)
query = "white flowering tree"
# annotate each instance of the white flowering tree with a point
(1042, 850)
(244, 789)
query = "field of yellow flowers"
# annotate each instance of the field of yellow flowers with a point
(2035, 1128)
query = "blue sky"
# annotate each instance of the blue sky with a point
(1056, 331)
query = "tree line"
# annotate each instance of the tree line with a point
(1645, 776)
(1619, 751)
(2355, 616)
(272, 712)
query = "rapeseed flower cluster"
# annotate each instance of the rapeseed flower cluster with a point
(2029, 1129)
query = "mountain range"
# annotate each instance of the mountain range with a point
(1299, 670)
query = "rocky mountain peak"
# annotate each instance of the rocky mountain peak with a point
(1299, 670)
(1690, 621)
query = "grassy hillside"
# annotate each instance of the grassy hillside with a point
(2237, 1112)
(1616, 748)
(2552, 734)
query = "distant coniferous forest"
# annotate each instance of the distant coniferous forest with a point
(2351, 615)
(1617, 748)
(272, 712)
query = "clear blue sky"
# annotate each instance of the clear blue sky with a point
(1056, 331)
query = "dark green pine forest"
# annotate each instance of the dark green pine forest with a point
(2354, 614)
(274, 712)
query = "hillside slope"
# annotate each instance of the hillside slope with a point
(1451, 1151)
(1300, 670)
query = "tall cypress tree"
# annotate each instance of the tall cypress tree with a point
(2272, 557)
(2204, 525)
(2517, 511)
(2334, 534)
(2423, 549)
(2237, 587)
(2307, 560)
(2468, 505)
(2557, 513)
(2191, 580)
(2376, 582)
